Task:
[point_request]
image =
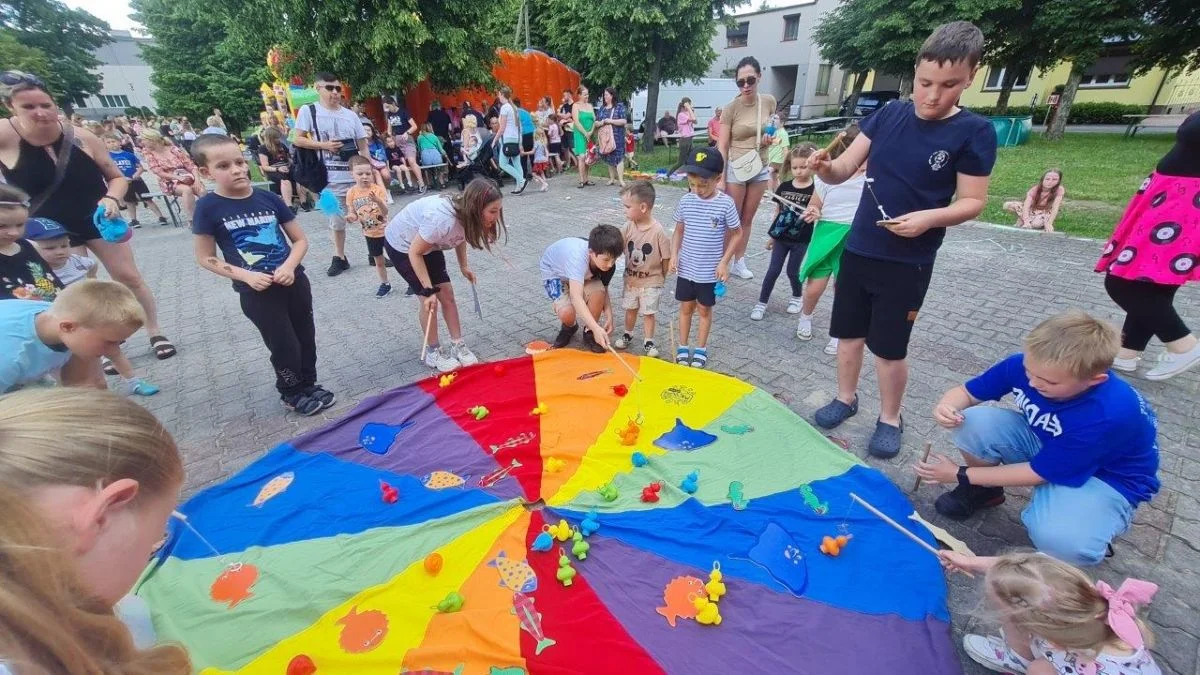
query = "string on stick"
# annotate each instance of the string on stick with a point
(627, 366)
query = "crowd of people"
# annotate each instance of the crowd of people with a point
(1083, 438)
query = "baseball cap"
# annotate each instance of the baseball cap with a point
(41, 229)
(704, 162)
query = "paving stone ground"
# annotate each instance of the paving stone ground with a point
(990, 286)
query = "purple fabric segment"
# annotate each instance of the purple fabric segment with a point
(432, 443)
(762, 631)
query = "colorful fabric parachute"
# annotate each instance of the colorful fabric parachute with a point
(301, 563)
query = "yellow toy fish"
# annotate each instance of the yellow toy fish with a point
(273, 488)
(554, 464)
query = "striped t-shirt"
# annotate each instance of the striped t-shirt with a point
(705, 223)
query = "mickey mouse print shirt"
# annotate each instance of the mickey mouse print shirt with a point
(645, 250)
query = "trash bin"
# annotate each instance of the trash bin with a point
(1012, 131)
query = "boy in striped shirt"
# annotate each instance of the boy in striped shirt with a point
(704, 220)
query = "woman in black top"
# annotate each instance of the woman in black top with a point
(30, 143)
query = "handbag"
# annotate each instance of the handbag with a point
(749, 165)
(308, 169)
(606, 142)
(512, 149)
(591, 156)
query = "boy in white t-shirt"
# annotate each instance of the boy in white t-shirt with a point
(576, 273)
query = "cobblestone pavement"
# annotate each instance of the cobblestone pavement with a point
(990, 286)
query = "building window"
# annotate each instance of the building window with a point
(737, 36)
(729, 73)
(791, 27)
(823, 75)
(995, 80)
(1109, 71)
(113, 100)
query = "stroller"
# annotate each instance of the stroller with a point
(484, 165)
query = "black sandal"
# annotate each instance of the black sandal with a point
(163, 349)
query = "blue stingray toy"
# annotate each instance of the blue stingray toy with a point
(719, 289)
(329, 203)
(111, 229)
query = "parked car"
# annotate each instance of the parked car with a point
(869, 102)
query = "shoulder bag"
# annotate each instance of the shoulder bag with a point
(606, 142)
(308, 168)
(749, 165)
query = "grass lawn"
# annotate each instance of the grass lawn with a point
(1100, 173)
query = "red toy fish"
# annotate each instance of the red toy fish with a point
(389, 494)
(650, 492)
(620, 390)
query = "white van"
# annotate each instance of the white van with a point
(707, 95)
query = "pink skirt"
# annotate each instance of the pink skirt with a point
(1158, 238)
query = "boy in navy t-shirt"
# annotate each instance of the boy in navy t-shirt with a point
(1084, 439)
(922, 154)
(262, 245)
(131, 168)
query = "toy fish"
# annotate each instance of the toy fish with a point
(683, 437)
(378, 438)
(566, 573)
(447, 380)
(629, 435)
(609, 492)
(620, 390)
(810, 500)
(233, 585)
(638, 459)
(832, 546)
(677, 598)
(440, 480)
(453, 602)
(519, 439)
(515, 575)
(543, 542)
(737, 496)
(541, 409)
(273, 488)
(737, 429)
(389, 494)
(301, 664)
(479, 412)
(580, 548)
(531, 621)
(554, 464)
(362, 632)
(590, 523)
(691, 483)
(594, 373)
(650, 492)
(498, 475)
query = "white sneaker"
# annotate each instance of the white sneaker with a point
(831, 348)
(740, 270)
(623, 341)
(795, 306)
(1126, 365)
(1170, 365)
(434, 358)
(992, 653)
(804, 327)
(651, 350)
(463, 354)
(757, 313)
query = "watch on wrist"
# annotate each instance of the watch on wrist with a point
(427, 292)
(962, 476)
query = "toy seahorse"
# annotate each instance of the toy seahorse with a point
(811, 501)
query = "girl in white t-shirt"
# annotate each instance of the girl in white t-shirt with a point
(415, 241)
(88, 480)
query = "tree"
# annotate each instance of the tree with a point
(71, 35)
(1170, 37)
(196, 65)
(835, 35)
(16, 56)
(655, 41)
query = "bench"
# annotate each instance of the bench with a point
(1139, 122)
(171, 201)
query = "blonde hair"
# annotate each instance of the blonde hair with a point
(86, 438)
(214, 121)
(96, 302)
(154, 136)
(1074, 340)
(1053, 600)
(539, 135)
(469, 122)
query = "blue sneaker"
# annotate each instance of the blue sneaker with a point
(384, 289)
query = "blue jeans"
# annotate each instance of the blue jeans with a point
(1073, 524)
(512, 165)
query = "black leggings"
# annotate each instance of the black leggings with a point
(284, 317)
(794, 253)
(1149, 311)
(685, 154)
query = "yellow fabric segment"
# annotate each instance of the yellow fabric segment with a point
(408, 601)
(711, 394)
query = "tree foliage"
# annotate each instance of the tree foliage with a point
(1170, 37)
(196, 65)
(16, 56)
(70, 35)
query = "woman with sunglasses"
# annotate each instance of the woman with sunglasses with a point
(30, 144)
(742, 126)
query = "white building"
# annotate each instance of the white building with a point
(125, 78)
(781, 40)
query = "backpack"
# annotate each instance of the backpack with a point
(308, 169)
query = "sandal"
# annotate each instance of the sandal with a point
(107, 364)
(163, 349)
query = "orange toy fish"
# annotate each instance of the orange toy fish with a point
(629, 435)
(233, 586)
(833, 545)
(678, 597)
(362, 632)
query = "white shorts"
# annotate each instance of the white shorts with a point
(644, 298)
(762, 176)
(338, 223)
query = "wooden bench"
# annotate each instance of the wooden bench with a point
(1139, 122)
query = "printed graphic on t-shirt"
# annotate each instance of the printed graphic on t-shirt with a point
(256, 236)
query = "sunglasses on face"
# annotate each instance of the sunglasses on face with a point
(11, 78)
(746, 82)
(331, 87)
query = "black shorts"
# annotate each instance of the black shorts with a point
(878, 300)
(687, 290)
(435, 263)
(375, 247)
(137, 191)
(556, 148)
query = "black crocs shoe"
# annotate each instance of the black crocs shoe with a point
(564, 336)
(834, 413)
(963, 501)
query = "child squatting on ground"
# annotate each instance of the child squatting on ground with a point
(575, 274)
(1081, 437)
(647, 257)
(707, 232)
(262, 245)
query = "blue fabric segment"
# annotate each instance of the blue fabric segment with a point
(906, 580)
(1109, 431)
(348, 496)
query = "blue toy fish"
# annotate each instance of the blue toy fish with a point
(691, 483)
(638, 459)
(683, 437)
(543, 542)
(589, 524)
(377, 438)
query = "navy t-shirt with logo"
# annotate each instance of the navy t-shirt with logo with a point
(914, 164)
(249, 231)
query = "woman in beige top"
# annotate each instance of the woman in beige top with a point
(743, 121)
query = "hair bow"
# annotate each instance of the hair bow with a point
(1122, 608)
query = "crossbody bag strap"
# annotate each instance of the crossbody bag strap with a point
(312, 110)
(60, 168)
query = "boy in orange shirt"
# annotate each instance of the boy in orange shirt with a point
(366, 204)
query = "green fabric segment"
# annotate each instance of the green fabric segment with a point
(781, 452)
(297, 584)
(824, 255)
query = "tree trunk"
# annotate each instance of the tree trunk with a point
(1055, 133)
(650, 121)
(1006, 87)
(906, 83)
(860, 80)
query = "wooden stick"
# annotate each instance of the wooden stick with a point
(837, 140)
(924, 458)
(674, 342)
(627, 366)
(903, 530)
(425, 337)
